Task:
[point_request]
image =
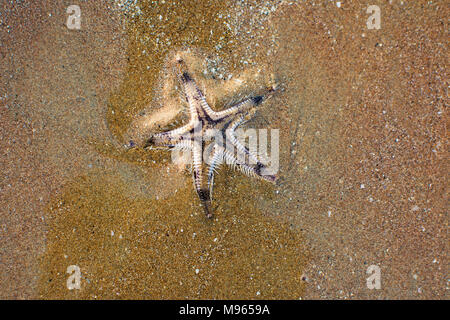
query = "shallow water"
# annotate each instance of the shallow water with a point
(362, 136)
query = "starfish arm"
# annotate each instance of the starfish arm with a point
(195, 99)
(170, 138)
(183, 145)
(244, 105)
(216, 160)
(190, 89)
(197, 153)
(194, 96)
(249, 170)
(198, 175)
(231, 137)
(240, 107)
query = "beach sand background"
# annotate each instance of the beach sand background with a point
(363, 137)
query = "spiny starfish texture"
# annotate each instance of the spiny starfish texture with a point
(206, 124)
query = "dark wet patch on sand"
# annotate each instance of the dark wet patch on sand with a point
(139, 248)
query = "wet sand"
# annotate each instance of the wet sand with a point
(362, 176)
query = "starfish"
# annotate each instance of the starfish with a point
(205, 124)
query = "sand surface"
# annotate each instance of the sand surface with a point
(363, 137)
